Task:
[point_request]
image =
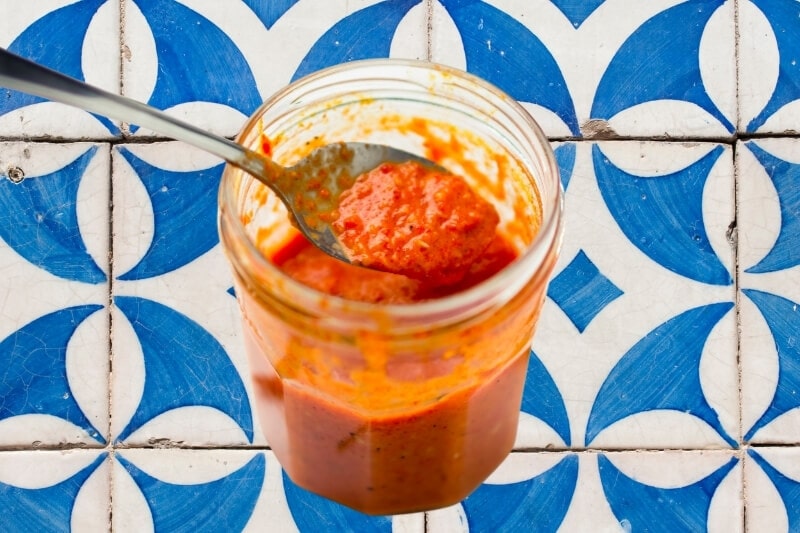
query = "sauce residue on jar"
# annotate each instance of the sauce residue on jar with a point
(377, 424)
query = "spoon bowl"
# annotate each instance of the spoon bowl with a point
(310, 189)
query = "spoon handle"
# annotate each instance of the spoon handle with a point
(23, 75)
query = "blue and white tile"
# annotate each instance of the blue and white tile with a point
(769, 74)
(619, 361)
(179, 368)
(769, 257)
(249, 50)
(58, 491)
(622, 491)
(593, 69)
(80, 39)
(227, 490)
(54, 259)
(673, 490)
(186, 490)
(630, 364)
(772, 489)
(527, 489)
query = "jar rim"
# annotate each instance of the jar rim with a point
(495, 289)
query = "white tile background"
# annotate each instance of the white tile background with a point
(738, 59)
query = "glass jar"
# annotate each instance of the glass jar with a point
(402, 407)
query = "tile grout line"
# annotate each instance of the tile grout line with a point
(428, 32)
(544, 451)
(737, 70)
(110, 445)
(727, 140)
(428, 56)
(734, 240)
(110, 345)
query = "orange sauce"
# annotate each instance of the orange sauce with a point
(411, 220)
(310, 266)
(389, 424)
(372, 454)
(416, 459)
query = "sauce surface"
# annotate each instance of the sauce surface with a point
(408, 219)
(311, 266)
(305, 263)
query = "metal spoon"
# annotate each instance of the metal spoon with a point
(309, 188)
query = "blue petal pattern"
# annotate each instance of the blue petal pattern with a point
(269, 11)
(366, 34)
(505, 53)
(658, 510)
(222, 505)
(565, 158)
(661, 371)
(33, 374)
(63, 30)
(782, 16)
(314, 513)
(582, 291)
(783, 319)
(660, 61)
(38, 219)
(542, 399)
(577, 11)
(184, 212)
(184, 366)
(785, 176)
(788, 489)
(663, 216)
(187, 44)
(47, 509)
(541, 501)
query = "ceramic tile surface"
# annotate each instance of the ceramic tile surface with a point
(662, 391)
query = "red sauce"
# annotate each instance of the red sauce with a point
(389, 424)
(411, 220)
(313, 267)
(416, 459)
(308, 265)
(388, 445)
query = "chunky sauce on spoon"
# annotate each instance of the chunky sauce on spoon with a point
(411, 220)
